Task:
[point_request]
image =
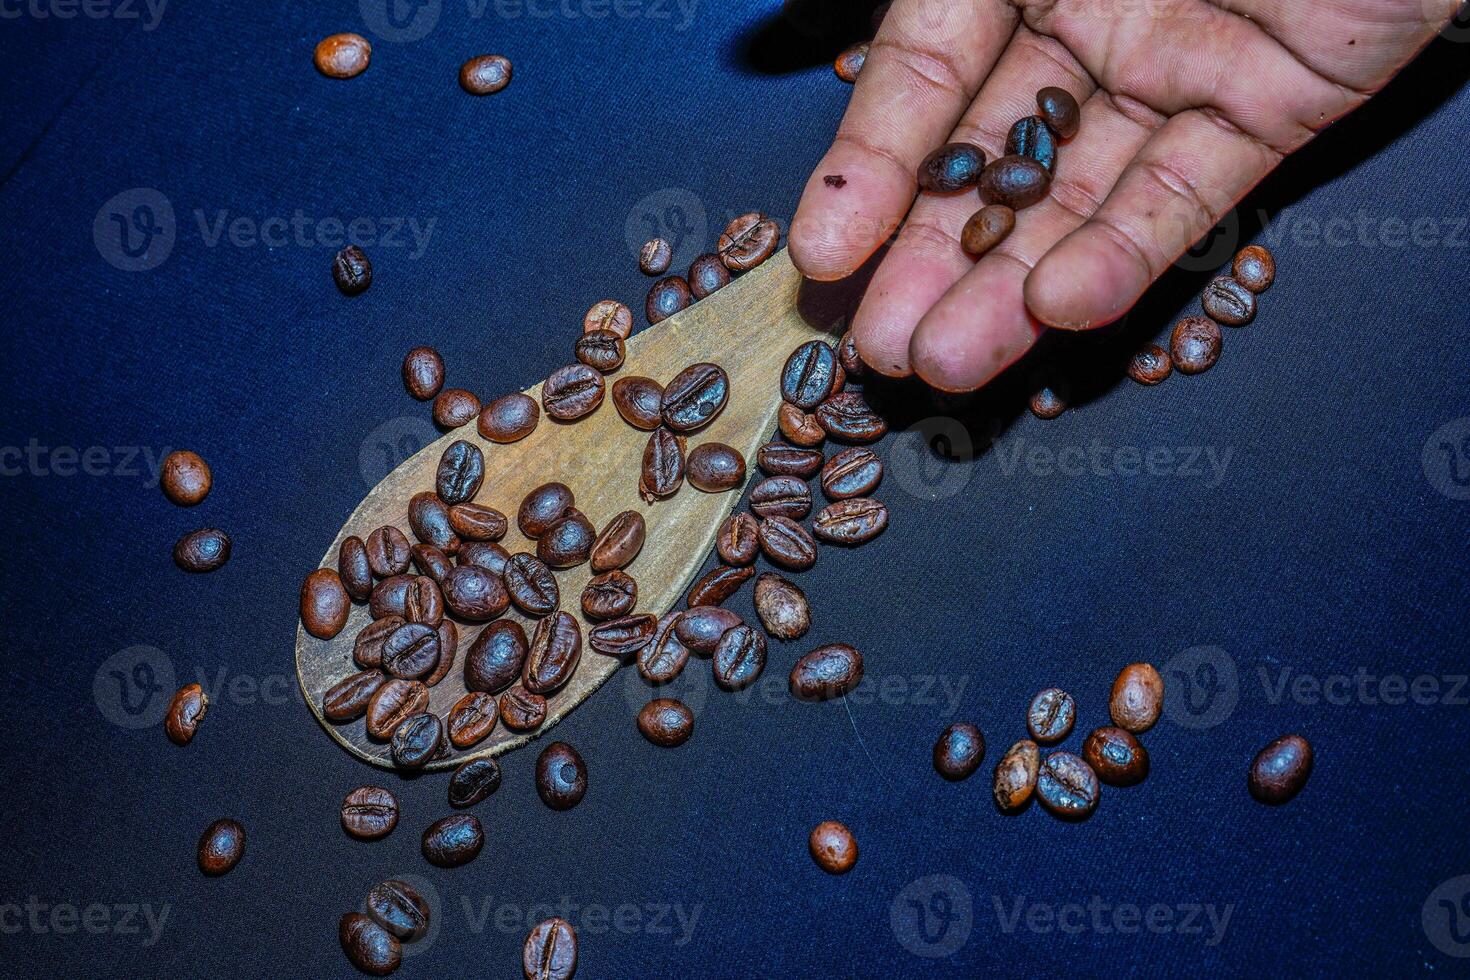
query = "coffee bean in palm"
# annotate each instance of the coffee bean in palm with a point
(221, 847)
(1195, 345)
(846, 417)
(953, 167)
(568, 542)
(1032, 137)
(663, 658)
(1046, 403)
(781, 496)
(666, 297)
(208, 549)
(367, 648)
(474, 594)
(1060, 110)
(850, 61)
(798, 427)
(987, 228)
(1254, 268)
(495, 660)
(738, 540)
(695, 396)
(739, 658)
(1051, 715)
(483, 554)
(1150, 365)
(522, 711)
(622, 637)
(715, 467)
(601, 349)
(619, 542)
(782, 607)
(1137, 698)
(461, 471)
(1281, 769)
(509, 418)
(369, 813)
(472, 719)
(417, 740)
(787, 544)
(1015, 775)
(448, 650)
(1227, 301)
(610, 595)
(543, 507)
(369, 947)
(609, 314)
(347, 700)
(707, 274)
(354, 568)
(747, 241)
(473, 781)
(423, 373)
(1116, 756)
(655, 257)
(639, 401)
(958, 752)
(453, 840)
(561, 776)
(531, 585)
(662, 473)
(1067, 786)
(550, 951)
(806, 378)
(719, 584)
(387, 551)
(454, 407)
(394, 702)
(854, 472)
(833, 847)
(556, 648)
(666, 722)
(411, 651)
(700, 628)
(185, 712)
(1014, 181)
(324, 604)
(342, 55)
(352, 271)
(827, 672)
(572, 392)
(779, 459)
(399, 908)
(429, 520)
(185, 478)
(423, 602)
(851, 522)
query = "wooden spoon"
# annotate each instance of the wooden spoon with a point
(749, 328)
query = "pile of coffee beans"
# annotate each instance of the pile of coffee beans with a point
(373, 941)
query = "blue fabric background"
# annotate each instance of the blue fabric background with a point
(1333, 544)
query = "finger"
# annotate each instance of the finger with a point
(980, 326)
(926, 259)
(924, 68)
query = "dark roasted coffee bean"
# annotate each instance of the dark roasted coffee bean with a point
(561, 776)
(664, 656)
(472, 719)
(666, 297)
(662, 473)
(601, 349)
(429, 520)
(952, 167)
(208, 548)
(806, 379)
(1254, 268)
(572, 392)
(342, 55)
(610, 595)
(781, 496)
(556, 648)
(411, 651)
(397, 907)
(476, 522)
(639, 401)
(782, 607)
(719, 584)
(388, 595)
(473, 781)
(347, 700)
(185, 711)
(1280, 770)
(1015, 775)
(1032, 137)
(453, 840)
(1060, 110)
(550, 951)
(666, 722)
(461, 471)
(655, 257)
(417, 740)
(454, 407)
(747, 241)
(609, 314)
(531, 585)
(622, 637)
(849, 63)
(324, 604)
(423, 373)
(707, 274)
(839, 379)
(1067, 786)
(352, 270)
(833, 847)
(185, 478)
(851, 522)
(738, 540)
(475, 594)
(847, 417)
(739, 658)
(522, 711)
(495, 660)
(1138, 698)
(695, 396)
(787, 544)
(509, 418)
(799, 428)
(543, 507)
(1015, 181)
(369, 812)
(827, 672)
(423, 602)
(958, 751)
(715, 467)
(369, 947)
(779, 459)
(1195, 345)
(700, 628)
(1115, 755)
(987, 228)
(221, 847)
(1047, 404)
(394, 702)
(854, 472)
(367, 648)
(484, 554)
(1227, 301)
(485, 74)
(568, 542)
(388, 551)
(448, 650)
(355, 569)
(619, 543)
(1051, 715)
(1150, 365)
(848, 357)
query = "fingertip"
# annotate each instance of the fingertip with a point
(978, 330)
(847, 211)
(1087, 280)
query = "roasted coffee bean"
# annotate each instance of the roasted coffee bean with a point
(509, 418)
(388, 551)
(352, 271)
(1195, 345)
(664, 656)
(472, 719)
(719, 584)
(342, 55)
(807, 378)
(561, 776)
(781, 496)
(454, 407)
(1138, 698)
(185, 711)
(556, 648)
(1015, 775)
(610, 595)
(543, 507)
(367, 648)
(622, 637)
(1014, 181)
(987, 228)
(662, 473)
(1047, 404)
(485, 74)
(827, 672)
(411, 651)
(854, 472)
(609, 314)
(495, 660)
(417, 740)
(572, 392)
(185, 478)
(619, 543)
(782, 607)
(707, 274)
(639, 401)
(347, 700)
(423, 602)
(550, 951)
(666, 722)
(747, 241)
(738, 540)
(779, 459)
(655, 257)
(1227, 301)
(1150, 365)
(388, 595)
(958, 752)
(1051, 715)
(369, 947)
(799, 428)
(484, 554)
(847, 417)
(787, 544)
(473, 781)
(851, 522)
(700, 628)
(1280, 770)
(354, 568)
(369, 812)
(324, 604)
(397, 907)
(1254, 268)
(448, 650)
(476, 522)
(1067, 786)
(522, 711)
(1115, 755)
(531, 585)
(423, 373)
(739, 658)
(601, 350)
(666, 297)
(833, 847)
(839, 378)
(475, 594)
(952, 167)
(715, 467)
(849, 64)
(394, 702)
(453, 840)
(1032, 137)
(695, 396)
(461, 471)
(429, 520)
(207, 549)
(1060, 110)
(568, 542)
(221, 847)
(848, 357)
